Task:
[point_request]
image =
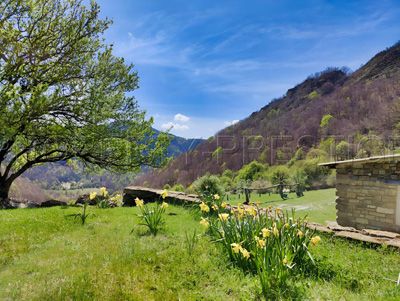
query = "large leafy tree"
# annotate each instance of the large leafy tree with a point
(63, 94)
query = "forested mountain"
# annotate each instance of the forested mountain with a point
(334, 102)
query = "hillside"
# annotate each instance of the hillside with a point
(366, 102)
(56, 175)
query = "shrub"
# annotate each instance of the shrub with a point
(251, 171)
(313, 95)
(325, 120)
(178, 187)
(280, 175)
(299, 178)
(343, 151)
(314, 172)
(208, 185)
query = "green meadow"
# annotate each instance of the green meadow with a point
(46, 255)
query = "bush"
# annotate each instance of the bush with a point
(251, 171)
(280, 175)
(208, 185)
(315, 174)
(325, 120)
(343, 151)
(299, 179)
(177, 187)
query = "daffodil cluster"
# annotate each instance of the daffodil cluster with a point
(103, 199)
(268, 242)
(152, 215)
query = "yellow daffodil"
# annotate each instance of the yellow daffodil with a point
(216, 196)
(240, 212)
(236, 247)
(204, 207)
(245, 253)
(92, 195)
(204, 222)
(139, 202)
(300, 233)
(164, 193)
(251, 211)
(214, 207)
(265, 232)
(275, 231)
(285, 261)
(103, 191)
(223, 216)
(223, 205)
(278, 211)
(315, 240)
(260, 242)
(287, 226)
(164, 205)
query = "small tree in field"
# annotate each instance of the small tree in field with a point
(63, 93)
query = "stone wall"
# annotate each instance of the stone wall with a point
(368, 195)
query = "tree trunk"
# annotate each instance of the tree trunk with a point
(4, 195)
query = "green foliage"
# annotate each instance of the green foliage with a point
(314, 172)
(69, 99)
(177, 187)
(300, 179)
(325, 120)
(274, 246)
(83, 215)
(218, 151)
(251, 171)
(208, 185)
(167, 187)
(327, 145)
(314, 94)
(317, 154)
(191, 241)
(280, 175)
(343, 151)
(228, 173)
(371, 145)
(152, 216)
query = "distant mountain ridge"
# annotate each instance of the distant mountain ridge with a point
(366, 101)
(53, 175)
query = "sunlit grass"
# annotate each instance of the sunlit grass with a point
(318, 205)
(46, 256)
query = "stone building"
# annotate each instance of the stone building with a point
(368, 192)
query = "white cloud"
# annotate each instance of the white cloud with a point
(182, 118)
(174, 126)
(232, 122)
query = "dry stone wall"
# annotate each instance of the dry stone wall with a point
(368, 195)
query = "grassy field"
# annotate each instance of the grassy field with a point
(46, 256)
(69, 195)
(318, 205)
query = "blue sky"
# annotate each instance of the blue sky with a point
(204, 64)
